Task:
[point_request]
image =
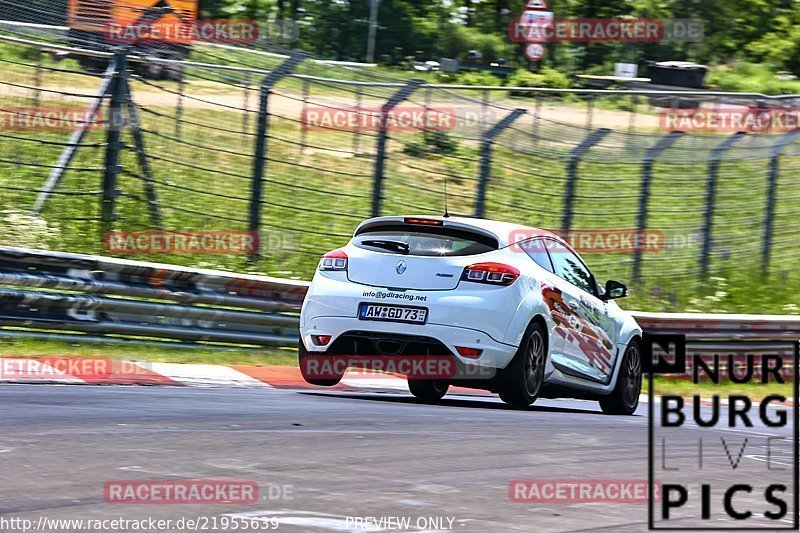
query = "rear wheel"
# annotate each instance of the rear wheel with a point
(520, 383)
(625, 398)
(313, 366)
(429, 390)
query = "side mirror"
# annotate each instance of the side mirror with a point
(614, 290)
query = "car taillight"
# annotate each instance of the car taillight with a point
(423, 221)
(335, 260)
(491, 274)
(471, 353)
(320, 340)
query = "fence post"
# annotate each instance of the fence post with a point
(246, 104)
(536, 119)
(590, 112)
(179, 105)
(113, 142)
(259, 158)
(141, 154)
(357, 132)
(304, 114)
(711, 193)
(75, 140)
(487, 139)
(572, 172)
(644, 196)
(632, 118)
(484, 106)
(37, 79)
(380, 155)
(772, 191)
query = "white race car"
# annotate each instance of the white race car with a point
(515, 308)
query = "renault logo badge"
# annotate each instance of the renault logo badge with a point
(401, 267)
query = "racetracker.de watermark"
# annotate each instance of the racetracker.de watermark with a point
(199, 242)
(177, 31)
(48, 119)
(44, 368)
(435, 367)
(567, 491)
(730, 119)
(600, 241)
(191, 492)
(535, 29)
(402, 118)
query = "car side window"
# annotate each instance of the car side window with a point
(537, 250)
(569, 267)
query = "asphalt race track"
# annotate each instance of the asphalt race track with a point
(342, 455)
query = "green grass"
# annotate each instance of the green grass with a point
(121, 352)
(315, 195)
(724, 389)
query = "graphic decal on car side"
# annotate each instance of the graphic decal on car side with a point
(580, 330)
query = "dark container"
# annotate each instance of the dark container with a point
(677, 73)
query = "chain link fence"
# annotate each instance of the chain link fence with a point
(301, 150)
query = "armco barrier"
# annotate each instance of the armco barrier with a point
(118, 299)
(101, 298)
(722, 326)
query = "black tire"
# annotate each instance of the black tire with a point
(520, 383)
(429, 390)
(304, 358)
(624, 399)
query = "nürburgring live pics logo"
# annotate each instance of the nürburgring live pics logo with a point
(724, 461)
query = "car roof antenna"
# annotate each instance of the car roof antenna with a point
(446, 213)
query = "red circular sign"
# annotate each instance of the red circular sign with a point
(534, 51)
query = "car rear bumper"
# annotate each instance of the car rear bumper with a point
(390, 338)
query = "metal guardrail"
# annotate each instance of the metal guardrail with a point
(119, 300)
(111, 299)
(722, 326)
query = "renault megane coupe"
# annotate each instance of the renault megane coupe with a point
(517, 304)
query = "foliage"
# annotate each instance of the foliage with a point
(755, 31)
(458, 40)
(547, 77)
(433, 142)
(476, 78)
(750, 77)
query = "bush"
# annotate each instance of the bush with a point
(458, 40)
(433, 142)
(479, 78)
(751, 78)
(547, 78)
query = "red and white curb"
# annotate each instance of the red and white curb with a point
(78, 371)
(84, 371)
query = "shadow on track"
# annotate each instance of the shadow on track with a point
(452, 402)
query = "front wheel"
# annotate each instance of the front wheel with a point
(320, 370)
(521, 381)
(625, 398)
(429, 390)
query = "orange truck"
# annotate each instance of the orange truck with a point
(156, 28)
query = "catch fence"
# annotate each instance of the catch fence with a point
(301, 150)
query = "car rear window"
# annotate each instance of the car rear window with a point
(425, 241)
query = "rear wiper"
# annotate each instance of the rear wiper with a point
(395, 246)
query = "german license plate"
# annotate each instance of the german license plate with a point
(393, 313)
